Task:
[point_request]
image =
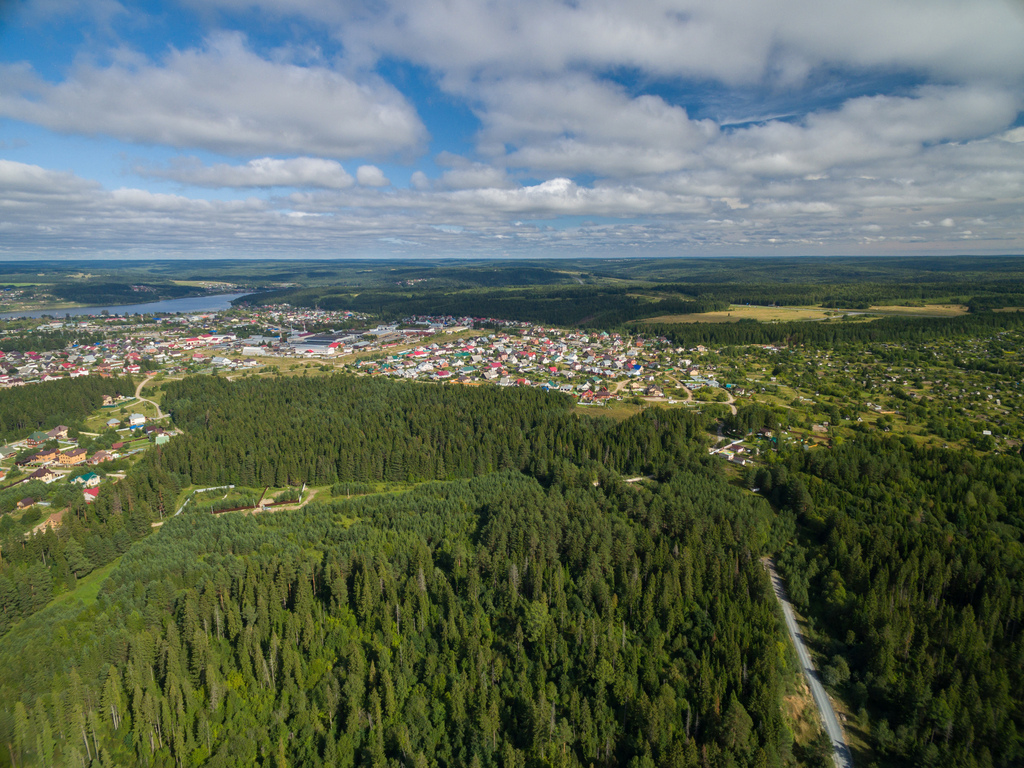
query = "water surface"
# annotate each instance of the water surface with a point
(188, 305)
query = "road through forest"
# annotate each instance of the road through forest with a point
(840, 750)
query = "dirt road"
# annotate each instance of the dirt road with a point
(138, 394)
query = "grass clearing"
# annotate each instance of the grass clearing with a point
(620, 410)
(88, 587)
(735, 313)
(762, 314)
(929, 310)
(613, 410)
(799, 711)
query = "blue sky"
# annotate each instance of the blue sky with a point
(322, 128)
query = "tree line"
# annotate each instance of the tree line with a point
(47, 404)
(913, 562)
(540, 613)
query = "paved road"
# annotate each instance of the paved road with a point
(841, 752)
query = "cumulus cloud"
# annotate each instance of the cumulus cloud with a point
(224, 98)
(580, 113)
(868, 129)
(19, 179)
(60, 213)
(264, 172)
(463, 173)
(576, 123)
(419, 181)
(732, 41)
(371, 176)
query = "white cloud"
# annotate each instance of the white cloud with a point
(371, 176)
(732, 41)
(576, 124)
(463, 173)
(419, 181)
(21, 179)
(868, 129)
(223, 98)
(264, 172)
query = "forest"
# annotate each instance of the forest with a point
(47, 341)
(291, 431)
(540, 613)
(609, 294)
(470, 580)
(45, 405)
(829, 335)
(566, 306)
(913, 558)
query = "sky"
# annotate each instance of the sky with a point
(535, 128)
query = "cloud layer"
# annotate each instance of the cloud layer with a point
(596, 126)
(223, 98)
(264, 172)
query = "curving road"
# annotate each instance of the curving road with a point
(138, 394)
(840, 750)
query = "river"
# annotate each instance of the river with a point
(213, 303)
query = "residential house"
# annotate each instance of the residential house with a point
(73, 457)
(136, 420)
(45, 474)
(47, 455)
(89, 480)
(99, 457)
(24, 461)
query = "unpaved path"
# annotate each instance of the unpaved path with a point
(138, 394)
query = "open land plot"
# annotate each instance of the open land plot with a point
(929, 310)
(87, 589)
(735, 313)
(619, 410)
(763, 314)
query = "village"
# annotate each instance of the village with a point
(592, 366)
(46, 464)
(810, 393)
(597, 368)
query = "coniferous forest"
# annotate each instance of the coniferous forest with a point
(524, 607)
(914, 558)
(483, 587)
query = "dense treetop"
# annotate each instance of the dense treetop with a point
(491, 621)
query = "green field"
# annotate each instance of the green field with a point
(88, 588)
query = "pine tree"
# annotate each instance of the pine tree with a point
(79, 564)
